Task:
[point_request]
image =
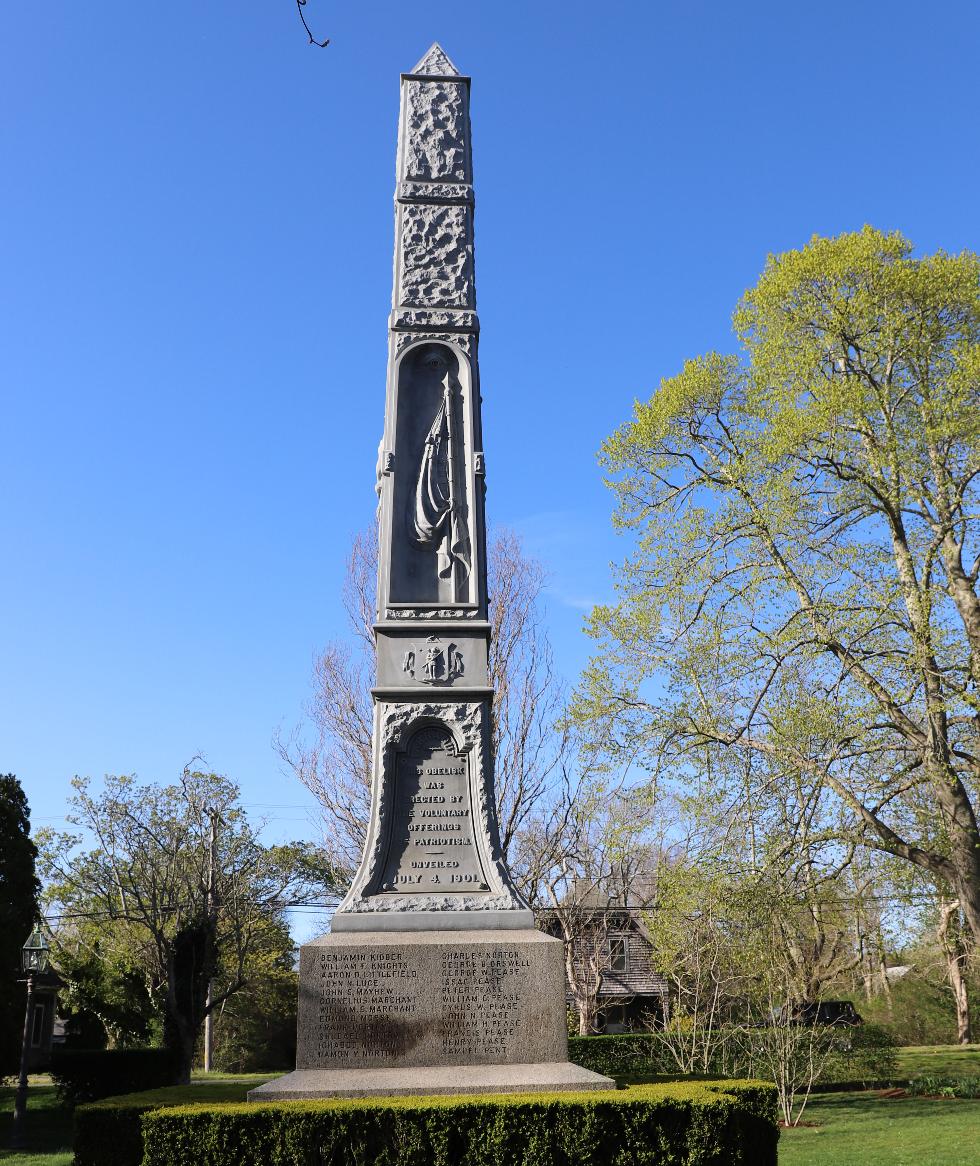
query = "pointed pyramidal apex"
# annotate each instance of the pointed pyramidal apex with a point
(435, 63)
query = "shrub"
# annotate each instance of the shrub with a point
(927, 1086)
(689, 1123)
(629, 1054)
(919, 1010)
(110, 1133)
(90, 1074)
(866, 1055)
(614, 1055)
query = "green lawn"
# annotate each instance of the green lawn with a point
(48, 1129)
(864, 1129)
(939, 1061)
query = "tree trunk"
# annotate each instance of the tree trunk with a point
(964, 1031)
(886, 988)
(180, 1040)
(966, 860)
(191, 964)
(956, 956)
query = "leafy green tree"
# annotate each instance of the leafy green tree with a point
(807, 515)
(18, 912)
(255, 1029)
(182, 887)
(107, 1001)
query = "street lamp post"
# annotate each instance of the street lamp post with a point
(34, 958)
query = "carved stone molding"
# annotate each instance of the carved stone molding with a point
(463, 340)
(384, 903)
(430, 613)
(408, 318)
(461, 192)
(464, 720)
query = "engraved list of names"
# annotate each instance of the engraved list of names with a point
(378, 1005)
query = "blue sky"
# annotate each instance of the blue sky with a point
(195, 266)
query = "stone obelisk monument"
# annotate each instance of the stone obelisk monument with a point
(433, 978)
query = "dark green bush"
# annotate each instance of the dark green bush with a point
(865, 1055)
(89, 1074)
(110, 1133)
(918, 1010)
(615, 1055)
(928, 1086)
(671, 1124)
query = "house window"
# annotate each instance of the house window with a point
(614, 1018)
(37, 1026)
(617, 953)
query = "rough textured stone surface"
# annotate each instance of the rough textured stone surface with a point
(431, 998)
(438, 613)
(307, 1084)
(436, 132)
(437, 257)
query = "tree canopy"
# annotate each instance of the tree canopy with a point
(19, 890)
(803, 590)
(178, 890)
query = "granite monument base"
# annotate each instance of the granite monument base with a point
(420, 1012)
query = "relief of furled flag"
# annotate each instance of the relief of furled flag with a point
(437, 518)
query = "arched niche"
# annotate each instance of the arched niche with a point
(432, 543)
(431, 847)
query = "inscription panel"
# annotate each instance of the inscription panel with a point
(431, 848)
(359, 991)
(459, 1003)
(481, 1002)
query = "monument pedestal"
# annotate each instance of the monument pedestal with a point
(384, 1013)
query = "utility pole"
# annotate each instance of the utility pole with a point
(208, 1028)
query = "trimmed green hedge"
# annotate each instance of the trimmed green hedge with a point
(865, 1055)
(720, 1123)
(616, 1055)
(110, 1133)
